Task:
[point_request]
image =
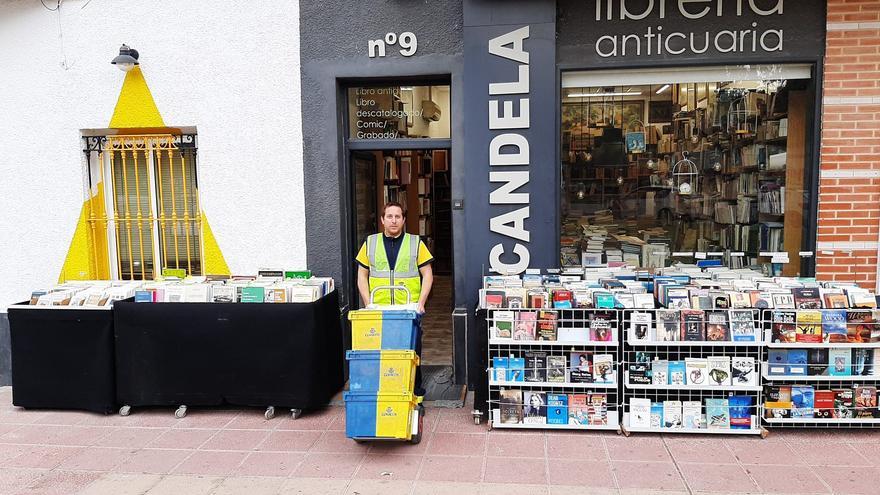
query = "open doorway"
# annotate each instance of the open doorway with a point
(420, 180)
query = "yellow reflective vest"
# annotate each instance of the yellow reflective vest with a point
(405, 271)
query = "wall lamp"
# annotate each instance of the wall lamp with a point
(127, 58)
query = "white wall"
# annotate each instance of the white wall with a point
(230, 68)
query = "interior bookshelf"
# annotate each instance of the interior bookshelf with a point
(677, 380)
(567, 381)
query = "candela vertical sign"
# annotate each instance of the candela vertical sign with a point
(509, 152)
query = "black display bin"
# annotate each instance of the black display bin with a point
(208, 354)
(62, 358)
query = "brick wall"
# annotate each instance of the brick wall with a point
(849, 171)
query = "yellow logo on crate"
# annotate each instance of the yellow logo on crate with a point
(394, 416)
(366, 333)
(391, 373)
(389, 412)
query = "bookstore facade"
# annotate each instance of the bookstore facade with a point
(640, 132)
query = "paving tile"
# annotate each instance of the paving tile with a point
(37, 456)
(17, 415)
(763, 451)
(516, 489)
(94, 459)
(647, 475)
(313, 486)
(576, 447)
(446, 488)
(254, 420)
(512, 445)
(235, 440)
(830, 454)
(56, 435)
(12, 480)
(580, 472)
(457, 444)
(122, 484)
(153, 418)
(723, 478)
(336, 441)
(581, 490)
(181, 439)
(60, 483)
(516, 470)
(329, 465)
(406, 448)
(250, 486)
(320, 419)
(211, 463)
(190, 485)
(95, 419)
(379, 487)
(290, 441)
(132, 438)
(699, 449)
(851, 480)
(63, 418)
(790, 479)
(432, 416)
(152, 461)
(206, 418)
(870, 451)
(390, 467)
(637, 448)
(281, 464)
(458, 420)
(6, 428)
(452, 468)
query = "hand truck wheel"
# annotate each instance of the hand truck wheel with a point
(180, 413)
(270, 413)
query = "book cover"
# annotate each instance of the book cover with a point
(499, 368)
(809, 326)
(556, 369)
(659, 372)
(743, 373)
(691, 414)
(783, 300)
(777, 362)
(672, 414)
(249, 294)
(534, 408)
(601, 326)
(562, 299)
(844, 406)
(580, 367)
(719, 370)
(667, 326)
(834, 326)
(696, 370)
(762, 299)
(717, 329)
(657, 415)
(640, 412)
(547, 325)
(639, 371)
(536, 366)
(836, 301)
(859, 326)
(603, 300)
(720, 300)
(817, 362)
(784, 326)
(557, 409)
(598, 409)
(603, 368)
(717, 414)
(801, 401)
(740, 411)
(511, 407)
(742, 325)
(640, 327)
(143, 296)
(739, 300)
(493, 299)
(823, 404)
(863, 362)
(526, 325)
(578, 410)
(223, 293)
(537, 299)
(516, 369)
(839, 362)
(677, 372)
(644, 301)
(692, 325)
(807, 298)
(797, 362)
(502, 324)
(777, 402)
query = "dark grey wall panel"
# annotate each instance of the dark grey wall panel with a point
(5, 351)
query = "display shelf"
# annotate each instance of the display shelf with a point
(626, 429)
(554, 343)
(822, 421)
(728, 388)
(613, 424)
(765, 373)
(678, 343)
(821, 345)
(494, 383)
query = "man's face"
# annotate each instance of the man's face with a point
(392, 221)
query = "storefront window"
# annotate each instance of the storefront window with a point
(685, 165)
(395, 112)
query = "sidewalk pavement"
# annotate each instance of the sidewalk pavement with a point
(236, 451)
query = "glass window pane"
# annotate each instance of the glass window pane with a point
(395, 112)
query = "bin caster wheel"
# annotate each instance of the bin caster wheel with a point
(270, 413)
(125, 410)
(416, 438)
(180, 413)
(296, 413)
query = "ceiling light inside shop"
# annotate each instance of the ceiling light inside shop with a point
(664, 88)
(604, 95)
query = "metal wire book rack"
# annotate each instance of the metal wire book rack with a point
(824, 378)
(554, 368)
(691, 371)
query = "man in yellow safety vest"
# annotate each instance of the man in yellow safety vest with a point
(396, 258)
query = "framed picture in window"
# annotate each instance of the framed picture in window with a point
(660, 111)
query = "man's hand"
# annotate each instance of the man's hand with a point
(421, 309)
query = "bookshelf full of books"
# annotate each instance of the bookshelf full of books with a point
(553, 368)
(692, 371)
(821, 366)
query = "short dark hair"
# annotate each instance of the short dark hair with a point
(393, 203)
